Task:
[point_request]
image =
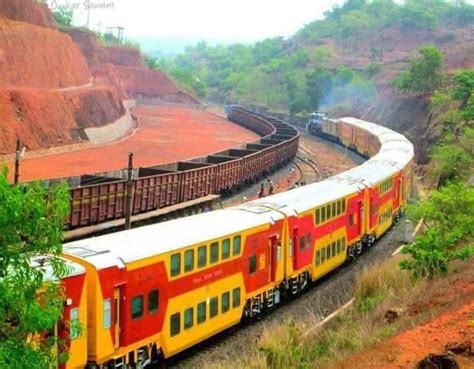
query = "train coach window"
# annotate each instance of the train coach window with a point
(351, 220)
(213, 307)
(339, 208)
(343, 242)
(107, 314)
(201, 312)
(175, 324)
(343, 206)
(236, 245)
(202, 256)
(333, 249)
(214, 252)
(305, 242)
(137, 307)
(252, 264)
(153, 301)
(236, 297)
(333, 209)
(225, 302)
(323, 256)
(74, 323)
(188, 260)
(323, 214)
(188, 318)
(175, 264)
(328, 252)
(318, 258)
(225, 249)
(318, 216)
(328, 211)
(338, 246)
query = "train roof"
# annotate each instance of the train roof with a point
(307, 197)
(72, 268)
(125, 247)
(121, 248)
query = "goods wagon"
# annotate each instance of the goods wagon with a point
(98, 198)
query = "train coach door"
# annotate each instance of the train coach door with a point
(274, 256)
(398, 193)
(117, 316)
(361, 216)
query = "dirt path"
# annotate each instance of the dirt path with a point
(450, 326)
(75, 88)
(166, 134)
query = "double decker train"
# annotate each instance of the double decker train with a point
(146, 294)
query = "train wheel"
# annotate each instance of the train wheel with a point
(352, 253)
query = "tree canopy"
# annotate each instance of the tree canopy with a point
(31, 225)
(425, 73)
(276, 72)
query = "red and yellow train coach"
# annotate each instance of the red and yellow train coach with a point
(155, 291)
(160, 289)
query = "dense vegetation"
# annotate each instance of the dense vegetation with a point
(294, 74)
(31, 303)
(448, 213)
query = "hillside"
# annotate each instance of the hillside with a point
(55, 82)
(344, 64)
(124, 68)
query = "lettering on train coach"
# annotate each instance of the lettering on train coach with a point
(208, 276)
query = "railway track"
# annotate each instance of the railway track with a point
(309, 173)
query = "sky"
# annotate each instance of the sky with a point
(231, 21)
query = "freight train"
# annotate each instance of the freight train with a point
(100, 197)
(146, 294)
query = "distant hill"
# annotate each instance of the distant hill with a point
(170, 46)
(344, 63)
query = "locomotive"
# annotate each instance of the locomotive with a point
(146, 294)
(315, 121)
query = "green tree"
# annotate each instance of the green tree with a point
(414, 15)
(297, 101)
(63, 15)
(318, 85)
(425, 72)
(31, 226)
(464, 86)
(448, 216)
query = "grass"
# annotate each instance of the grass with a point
(380, 289)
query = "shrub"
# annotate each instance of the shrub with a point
(448, 214)
(425, 72)
(63, 15)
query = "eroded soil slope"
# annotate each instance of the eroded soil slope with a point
(124, 68)
(33, 56)
(54, 84)
(27, 11)
(47, 92)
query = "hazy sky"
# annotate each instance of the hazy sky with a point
(243, 20)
